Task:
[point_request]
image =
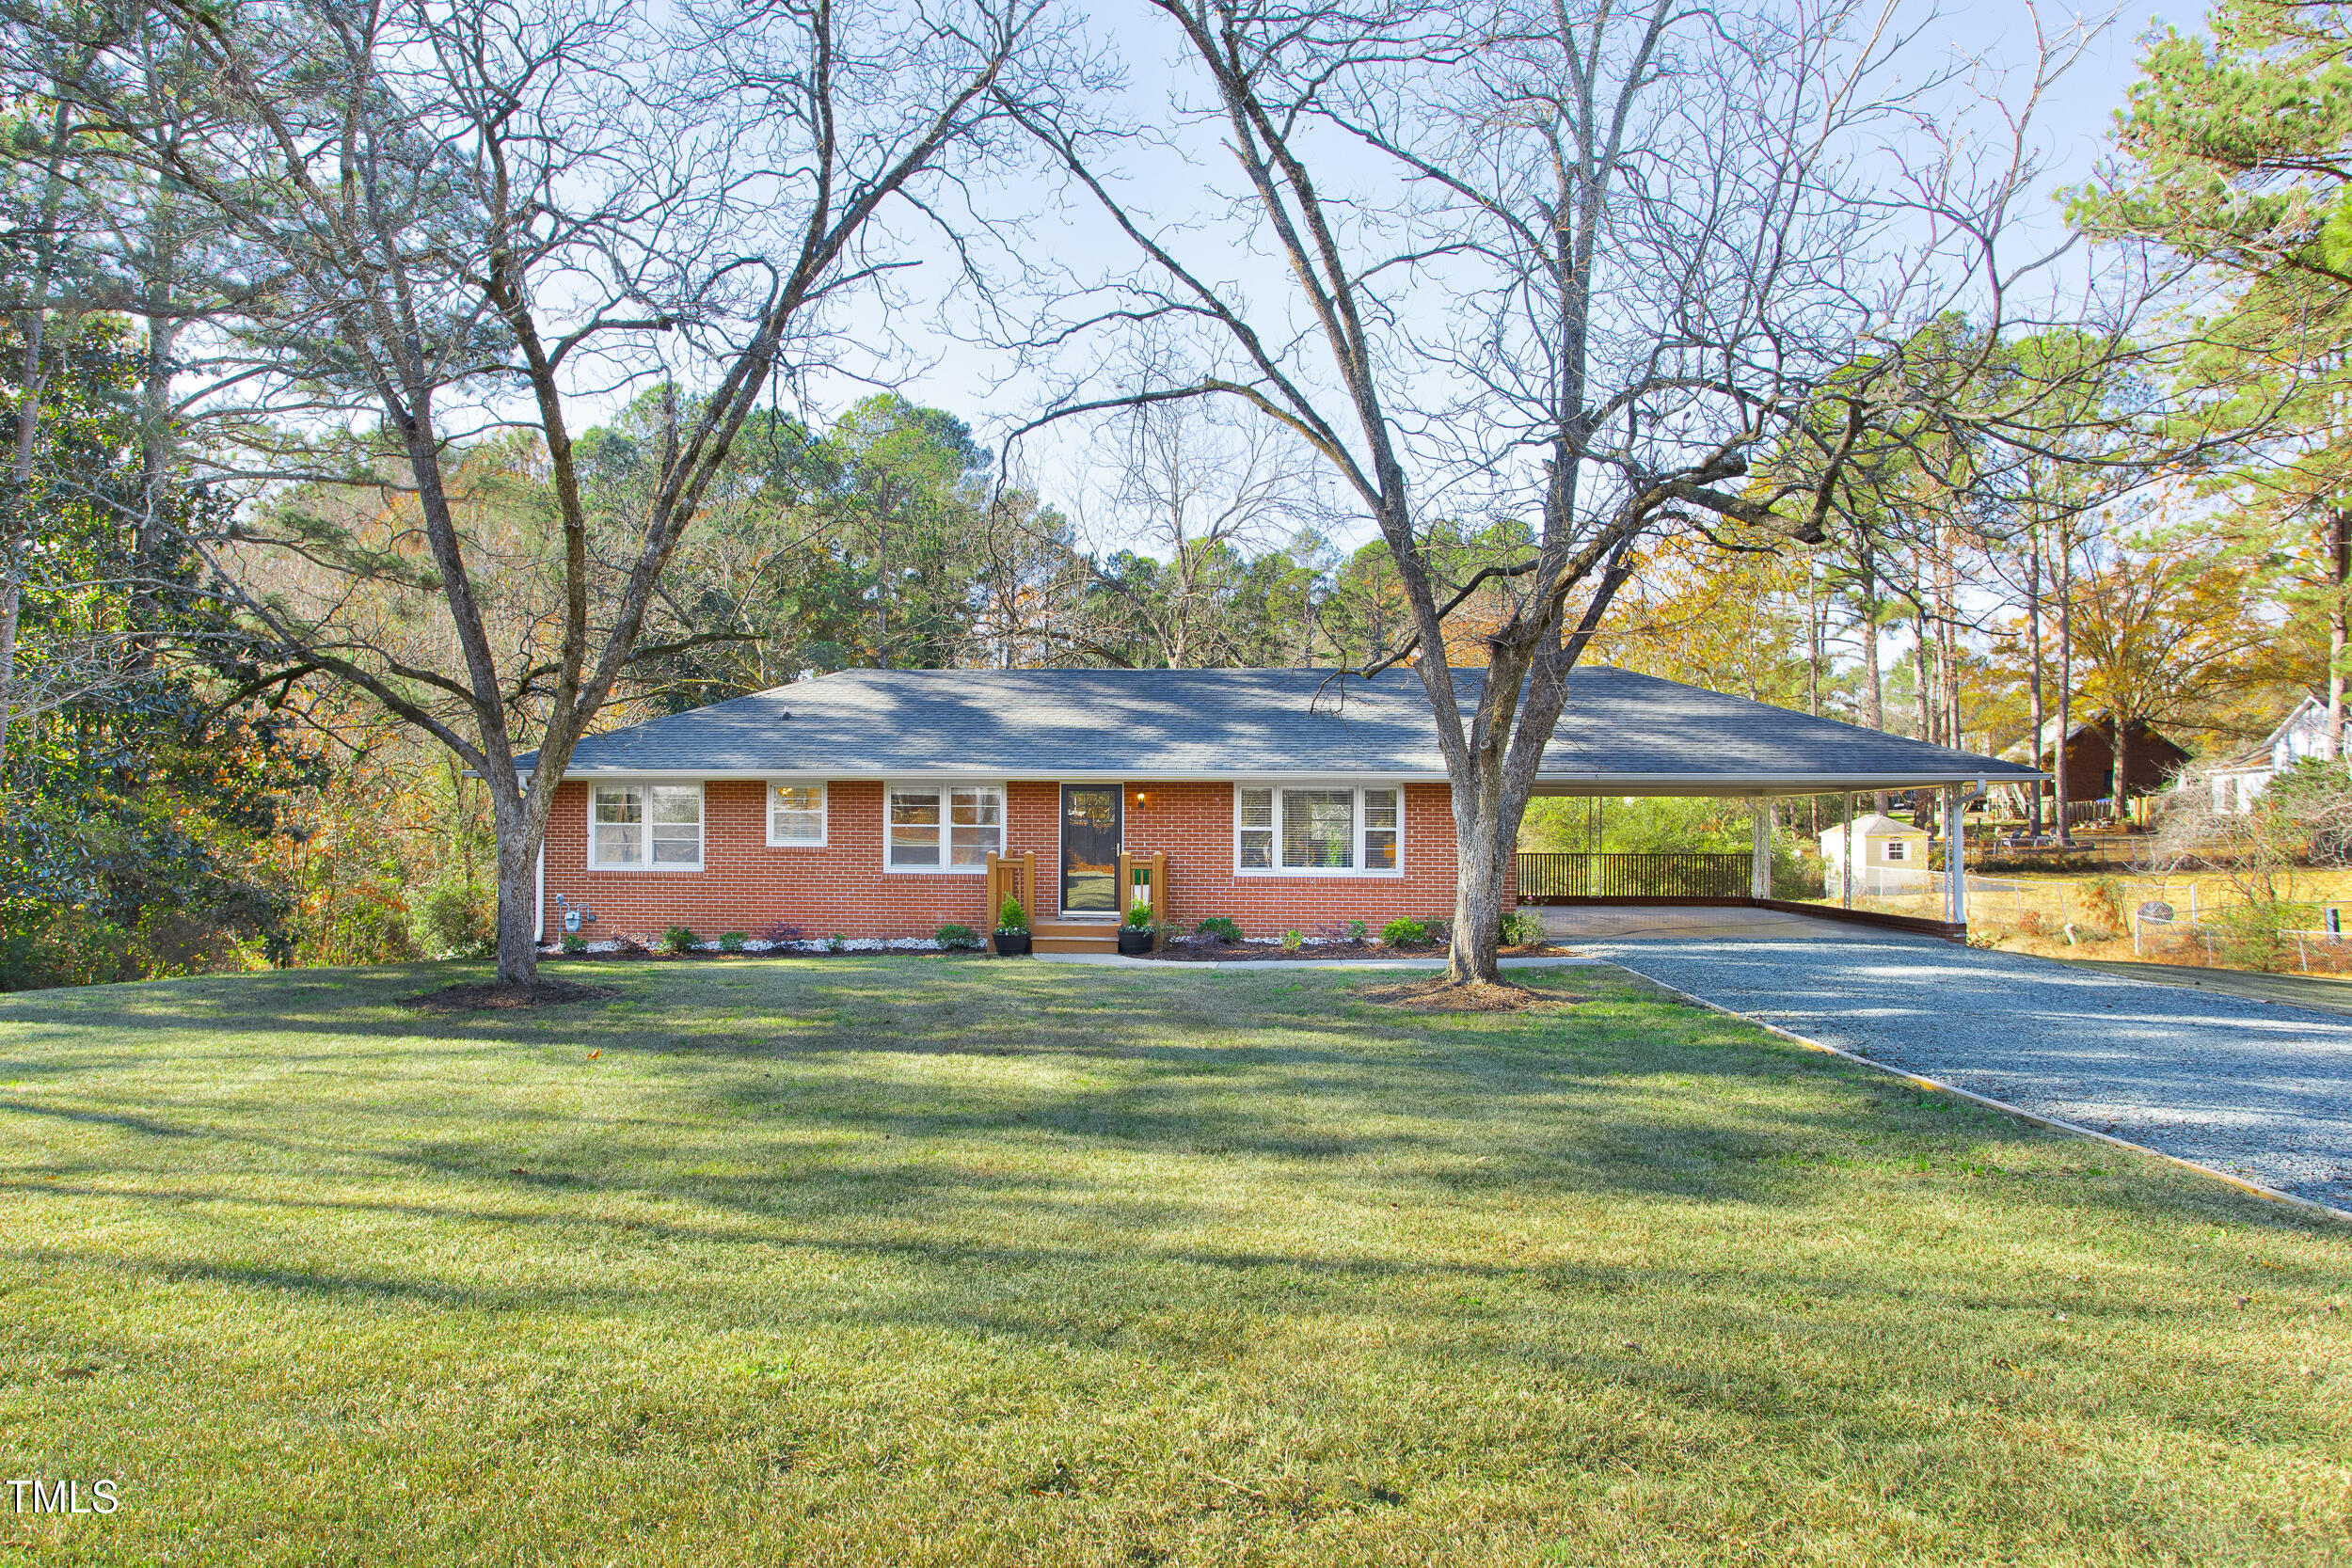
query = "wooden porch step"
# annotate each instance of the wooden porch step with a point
(1073, 936)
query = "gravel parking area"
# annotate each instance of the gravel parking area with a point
(2255, 1088)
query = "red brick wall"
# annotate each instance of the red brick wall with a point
(746, 885)
(1194, 824)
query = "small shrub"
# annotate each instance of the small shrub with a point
(1293, 942)
(2253, 935)
(952, 937)
(677, 938)
(781, 933)
(1405, 932)
(2102, 899)
(1220, 928)
(2030, 924)
(448, 920)
(1358, 931)
(1521, 929)
(1140, 915)
(731, 942)
(1012, 915)
(836, 942)
(575, 942)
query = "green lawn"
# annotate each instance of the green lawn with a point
(969, 1261)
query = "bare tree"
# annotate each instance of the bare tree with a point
(1196, 487)
(446, 220)
(1573, 263)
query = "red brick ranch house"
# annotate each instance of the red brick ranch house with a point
(883, 804)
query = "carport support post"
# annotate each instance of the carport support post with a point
(1845, 861)
(1955, 858)
(1760, 871)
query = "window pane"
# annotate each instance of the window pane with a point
(1257, 808)
(1319, 829)
(678, 824)
(915, 827)
(978, 825)
(1379, 848)
(796, 813)
(1379, 808)
(677, 803)
(1257, 848)
(619, 837)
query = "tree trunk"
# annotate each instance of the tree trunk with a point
(518, 893)
(33, 328)
(1873, 688)
(2062, 576)
(2120, 751)
(1484, 848)
(2041, 721)
(2339, 569)
(1922, 805)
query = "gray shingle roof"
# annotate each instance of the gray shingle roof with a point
(1620, 731)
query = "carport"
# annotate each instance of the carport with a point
(1629, 736)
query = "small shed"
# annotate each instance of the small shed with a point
(1890, 855)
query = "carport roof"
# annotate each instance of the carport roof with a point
(1621, 734)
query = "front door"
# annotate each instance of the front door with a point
(1089, 849)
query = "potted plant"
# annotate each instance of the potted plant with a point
(1136, 937)
(1013, 929)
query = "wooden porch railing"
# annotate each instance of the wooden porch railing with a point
(1545, 876)
(1144, 877)
(1014, 876)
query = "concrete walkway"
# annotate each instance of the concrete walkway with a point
(2251, 1087)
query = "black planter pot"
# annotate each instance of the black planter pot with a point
(1012, 945)
(1133, 941)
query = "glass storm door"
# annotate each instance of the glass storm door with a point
(1089, 849)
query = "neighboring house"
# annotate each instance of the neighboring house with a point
(2303, 733)
(2152, 757)
(868, 802)
(1890, 855)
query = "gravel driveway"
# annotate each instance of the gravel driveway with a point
(2252, 1087)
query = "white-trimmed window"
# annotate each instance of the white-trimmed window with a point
(1309, 829)
(646, 827)
(1898, 850)
(944, 827)
(796, 812)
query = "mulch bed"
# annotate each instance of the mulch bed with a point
(1441, 996)
(485, 995)
(643, 955)
(1221, 951)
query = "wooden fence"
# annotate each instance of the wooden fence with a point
(1546, 876)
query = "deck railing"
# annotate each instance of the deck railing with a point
(1545, 875)
(1145, 880)
(1014, 876)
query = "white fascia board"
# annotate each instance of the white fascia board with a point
(1767, 784)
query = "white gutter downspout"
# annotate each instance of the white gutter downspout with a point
(539, 921)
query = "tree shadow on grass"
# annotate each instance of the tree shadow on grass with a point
(1281, 1069)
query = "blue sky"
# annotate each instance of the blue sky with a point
(973, 382)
